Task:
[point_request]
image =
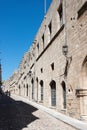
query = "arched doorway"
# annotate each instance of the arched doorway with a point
(64, 94)
(41, 84)
(37, 88)
(24, 89)
(83, 90)
(19, 90)
(27, 90)
(32, 81)
(53, 93)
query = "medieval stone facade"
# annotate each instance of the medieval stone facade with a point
(54, 70)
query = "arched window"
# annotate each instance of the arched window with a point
(41, 84)
(64, 94)
(53, 93)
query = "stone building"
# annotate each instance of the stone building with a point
(54, 70)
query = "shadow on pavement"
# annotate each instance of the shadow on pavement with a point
(15, 115)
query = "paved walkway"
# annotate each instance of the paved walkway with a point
(50, 119)
(15, 115)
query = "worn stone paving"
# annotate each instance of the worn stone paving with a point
(47, 122)
(17, 115)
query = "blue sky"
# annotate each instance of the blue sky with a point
(19, 23)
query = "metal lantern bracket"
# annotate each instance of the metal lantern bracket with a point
(65, 52)
(68, 59)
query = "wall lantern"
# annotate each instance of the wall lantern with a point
(65, 50)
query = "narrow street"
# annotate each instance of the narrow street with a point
(17, 115)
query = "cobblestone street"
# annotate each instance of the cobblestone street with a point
(17, 115)
(46, 122)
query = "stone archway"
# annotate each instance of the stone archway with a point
(83, 90)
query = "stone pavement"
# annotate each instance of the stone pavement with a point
(50, 120)
(15, 115)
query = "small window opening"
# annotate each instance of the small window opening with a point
(69, 90)
(38, 47)
(41, 70)
(60, 11)
(43, 40)
(50, 28)
(52, 66)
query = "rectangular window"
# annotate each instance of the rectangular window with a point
(41, 93)
(52, 66)
(41, 70)
(38, 48)
(43, 40)
(60, 11)
(50, 29)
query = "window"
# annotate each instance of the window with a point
(52, 66)
(60, 11)
(50, 29)
(38, 47)
(41, 70)
(43, 40)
